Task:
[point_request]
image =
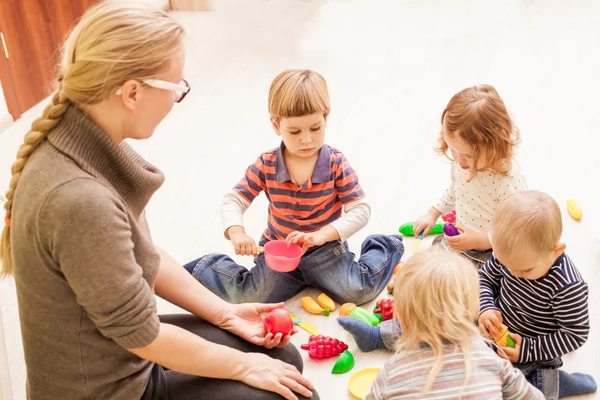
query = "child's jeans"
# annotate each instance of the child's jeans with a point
(331, 268)
(554, 383)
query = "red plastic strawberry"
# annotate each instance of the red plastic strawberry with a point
(322, 347)
(385, 307)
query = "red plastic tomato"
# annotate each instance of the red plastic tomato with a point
(279, 321)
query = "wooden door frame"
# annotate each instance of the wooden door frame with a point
(7, 83)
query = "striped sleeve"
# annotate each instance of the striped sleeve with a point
(379, 384)
(514, 384)
(570, 308)
(253, 182)
(490, 275)
(346, 181)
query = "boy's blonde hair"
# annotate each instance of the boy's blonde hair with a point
(527, 220)
(436, 300)
(113, 42)
(298, 92)
(479, 117)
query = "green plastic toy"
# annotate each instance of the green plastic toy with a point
(364, 316)
(344, 363)
(378, 315)
(407, 229)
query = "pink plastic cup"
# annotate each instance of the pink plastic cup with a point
(280, 257)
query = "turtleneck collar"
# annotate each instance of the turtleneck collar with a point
(133, 178)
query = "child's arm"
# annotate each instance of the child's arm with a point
(356, 216)
(514, 384)
(570, 307)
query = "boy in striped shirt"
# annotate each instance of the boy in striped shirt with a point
(315, 200)
(532, 286)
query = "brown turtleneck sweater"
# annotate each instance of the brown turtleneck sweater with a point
(84, 264)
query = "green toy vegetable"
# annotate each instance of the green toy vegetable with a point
(344, 363)
(364, 316)
(407, 229)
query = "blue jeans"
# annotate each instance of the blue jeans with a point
(554, 383)
(331, 268)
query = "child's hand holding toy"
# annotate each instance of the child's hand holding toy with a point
(468, 239)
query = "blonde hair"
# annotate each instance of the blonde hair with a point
(436, 300)
(527, 220)
(478, 116)
(298, 92)
(114, 41)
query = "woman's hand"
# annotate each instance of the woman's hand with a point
(263, 372)
(246, 321)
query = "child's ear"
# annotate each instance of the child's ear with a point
(559, 248)
(275, 126)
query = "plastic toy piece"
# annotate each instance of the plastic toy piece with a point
(417, 242)
(279, 321)
(280, 257)
(574, 209)
(344, 363)
(407, 229)
(503, 338)
(385, 307)
(398, 267)
(360, 383)
(307, 326)
(450, 229)
(390, 285)
(322, 347)
(364, 316)
(312, 307)
(450, 217)
(377, 314)
(347, 308)
(326, 302)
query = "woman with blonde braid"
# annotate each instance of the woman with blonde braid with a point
(77, 242)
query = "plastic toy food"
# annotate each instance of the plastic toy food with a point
(322, 347)
(279, 321)
(450, 229)
(280, 257)
(574, 209)
(326, 302)
(503, 338)
(347, 308)
(398, 267)
(390, 285)
(407, 229)
(385, 307)
(312, 307)
(307, 326)
(450, 217)
(364, 316)
(344, 363)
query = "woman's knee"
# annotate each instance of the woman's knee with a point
(288, 354)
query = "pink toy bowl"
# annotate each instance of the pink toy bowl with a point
(280, 257)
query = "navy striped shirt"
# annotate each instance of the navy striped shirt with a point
(550, 313)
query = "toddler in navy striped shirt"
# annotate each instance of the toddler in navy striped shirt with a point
(532, 286)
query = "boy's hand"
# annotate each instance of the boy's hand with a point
(307, 240)
(511, 354)
(490, 322)
(467, 240)
(243, 244)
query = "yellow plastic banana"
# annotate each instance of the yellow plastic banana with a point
(326, 302)
(312, 307)
(574, 209)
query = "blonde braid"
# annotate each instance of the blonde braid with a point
(39, 130)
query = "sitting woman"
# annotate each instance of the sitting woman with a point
(77, 242)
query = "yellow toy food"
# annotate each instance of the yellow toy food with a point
(574, 209)
(312, 307)
(326, 302)
(347, 308)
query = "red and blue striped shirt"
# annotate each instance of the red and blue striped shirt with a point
(307, 207)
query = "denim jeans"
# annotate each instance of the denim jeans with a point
(331, 268)
(554, 383)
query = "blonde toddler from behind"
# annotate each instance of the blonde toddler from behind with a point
(441, 353)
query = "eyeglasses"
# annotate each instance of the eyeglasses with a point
(180, 89)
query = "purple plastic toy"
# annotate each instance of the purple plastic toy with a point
(450, 230)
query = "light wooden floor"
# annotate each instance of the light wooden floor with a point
(391, 66)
